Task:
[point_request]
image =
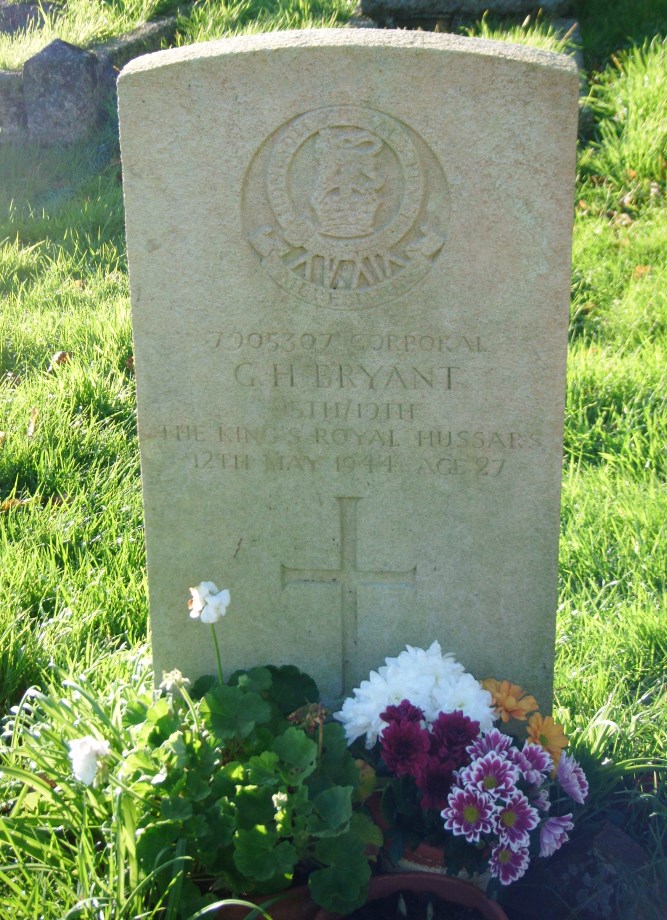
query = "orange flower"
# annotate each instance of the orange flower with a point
(510, 700)
(548, 734)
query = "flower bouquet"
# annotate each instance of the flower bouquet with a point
(449, 778)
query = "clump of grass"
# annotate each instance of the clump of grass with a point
(79, 22)
(624, 168)
(534, 32)
(209, 19)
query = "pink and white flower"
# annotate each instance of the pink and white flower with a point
(534, 763)
(514, 821)
(553, 834)
(469, 813)
(492, 740)
(572, 778)
(507, 864)
(492, 774)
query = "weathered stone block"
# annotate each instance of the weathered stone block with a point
(60, 90)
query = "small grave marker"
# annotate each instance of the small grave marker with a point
(349, 258)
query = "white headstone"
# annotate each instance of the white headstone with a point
(349, 259)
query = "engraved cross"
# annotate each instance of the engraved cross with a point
(349, 577)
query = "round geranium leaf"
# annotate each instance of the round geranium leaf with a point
(291, 688)
(298, 751)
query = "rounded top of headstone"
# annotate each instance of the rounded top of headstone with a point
(352, 38)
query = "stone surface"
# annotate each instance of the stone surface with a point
(60, 86)
(146, 37)
(349, 260)
(432, 9)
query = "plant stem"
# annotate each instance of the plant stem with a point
(217, 653)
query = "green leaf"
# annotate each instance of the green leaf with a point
(197, 788)
(337, 767)
(178, 748)
(175, 809)
(220, 827)
(254, 805)
(155, 844)
(291, 688)
(342, 885)
(365, 829)
(256, 680)
(297, 750)
(202, 686)
(232, 713)
(259, 856)
(163, 718)
(135, 712)
(262, 770)
(332, 810)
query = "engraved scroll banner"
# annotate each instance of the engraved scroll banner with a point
(346, 207)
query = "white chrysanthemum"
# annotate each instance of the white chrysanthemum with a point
(361, 712)
(466, 693)
(207, 603)
(84, 754)
(428, 679)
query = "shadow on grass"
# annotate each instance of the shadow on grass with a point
(610, 25)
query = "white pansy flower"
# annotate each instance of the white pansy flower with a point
(207, 603)
(84, 754)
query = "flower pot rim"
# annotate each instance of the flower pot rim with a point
(446, 887)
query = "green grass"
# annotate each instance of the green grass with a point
(608, 26)
(72, 583)
(533, 31)
(80, 22)
(209, 19)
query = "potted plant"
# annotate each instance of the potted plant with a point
(187, 798)
(458, 796)
(251, 781)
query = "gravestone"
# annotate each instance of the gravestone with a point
(349, 259)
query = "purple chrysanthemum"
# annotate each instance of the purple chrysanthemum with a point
(451, 733)
(469, 814)
(492, 774)
(404, 712)
(515, 820)
(405, 747)
(572, 778)
(553, 834)
(507, 864)
(533, 762)
(435, 782)
(493, 740)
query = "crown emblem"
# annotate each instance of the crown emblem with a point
(348, 181)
